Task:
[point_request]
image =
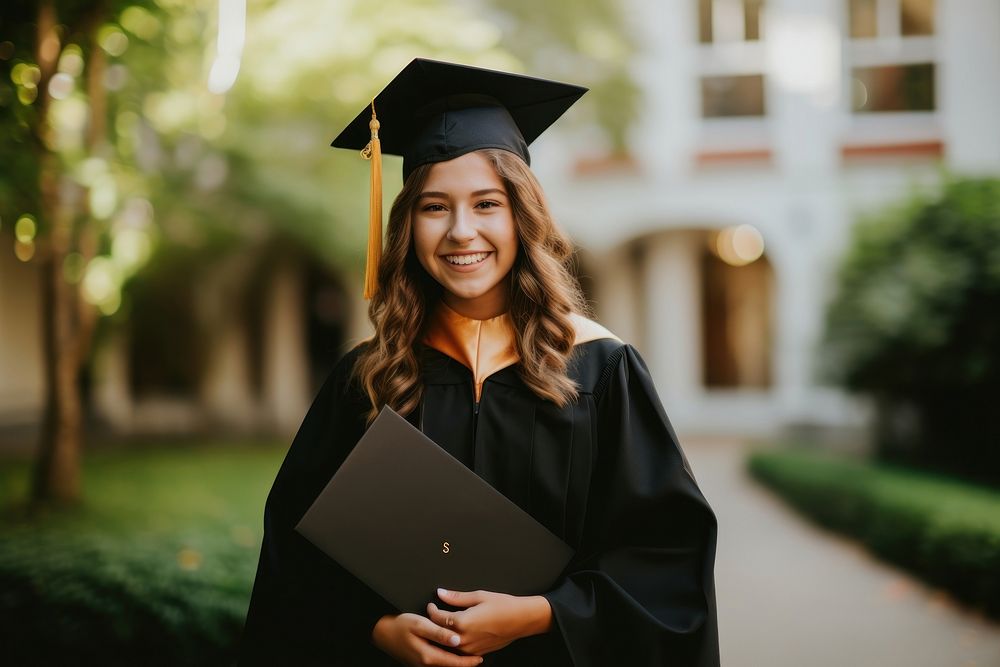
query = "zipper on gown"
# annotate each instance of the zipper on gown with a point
(475, 410)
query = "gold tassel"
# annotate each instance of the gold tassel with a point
(373, 152)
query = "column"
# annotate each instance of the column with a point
(112, 392)
(617, 294)
(673, 346)
(285, 386)
(968, 87)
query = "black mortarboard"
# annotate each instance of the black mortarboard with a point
(434, 111)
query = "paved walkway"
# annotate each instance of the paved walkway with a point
(793, 595)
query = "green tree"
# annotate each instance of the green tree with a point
(45, 46)
(914, 323)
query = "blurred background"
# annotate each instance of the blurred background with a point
(790, 207)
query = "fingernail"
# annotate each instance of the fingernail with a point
(442, 591)
(454, 640)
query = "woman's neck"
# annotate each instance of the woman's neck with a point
(484, 307)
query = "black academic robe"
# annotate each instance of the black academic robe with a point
(605, 473)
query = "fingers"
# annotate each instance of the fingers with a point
(446, 619)
(432, 655)
(461, 598)
(428, 629)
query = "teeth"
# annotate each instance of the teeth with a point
(466, 259)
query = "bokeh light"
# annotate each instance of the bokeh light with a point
(140, 22)
(101, 284)
(131, 249)
(170, 111)
(25, 228)
(71, 61)
(24, 251)
(49, 48)
(112, 40)
(90, 169)
(739, 245)
(25, 75)
(61, 85)
(27, 95)
(69, 117)
(103, 196)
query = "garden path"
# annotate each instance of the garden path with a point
(791, 594)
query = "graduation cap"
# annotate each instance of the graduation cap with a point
(434, 111)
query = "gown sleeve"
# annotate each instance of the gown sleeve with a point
(305, 609)
(640, 590)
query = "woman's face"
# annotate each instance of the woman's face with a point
(464, 235)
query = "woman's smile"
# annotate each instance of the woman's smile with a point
(466, 262)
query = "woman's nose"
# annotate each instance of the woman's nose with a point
(462, 229)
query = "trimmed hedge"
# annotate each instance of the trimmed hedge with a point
(155, 569)
(944, 530)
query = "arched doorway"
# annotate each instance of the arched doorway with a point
(702, 318)
(737, 284)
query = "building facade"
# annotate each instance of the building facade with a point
(781, 122)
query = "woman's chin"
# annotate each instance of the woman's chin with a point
(464, 293)
(471, 294)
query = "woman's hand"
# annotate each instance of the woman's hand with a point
(409, 638)
(491, 620)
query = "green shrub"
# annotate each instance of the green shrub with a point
(945, 530)
(914, 323)
(156, 568)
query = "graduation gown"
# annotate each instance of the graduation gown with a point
(605, 473)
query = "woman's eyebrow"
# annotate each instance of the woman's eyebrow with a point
(477, 193)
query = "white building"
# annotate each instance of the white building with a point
(791, 116)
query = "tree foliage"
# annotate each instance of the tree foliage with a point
(915, 322)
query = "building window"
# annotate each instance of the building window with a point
(727, 96)
(916, 17)
(891, 56)
(862, 15)
(889, 18)
(751, 19)
(705, 21)
(894, 88)
(729, 20)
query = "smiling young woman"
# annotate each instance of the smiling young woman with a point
(481, 340)
(464, 234)
(527, 266)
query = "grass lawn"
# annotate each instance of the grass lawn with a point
(155, 567)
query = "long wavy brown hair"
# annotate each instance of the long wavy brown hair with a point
(542, 294)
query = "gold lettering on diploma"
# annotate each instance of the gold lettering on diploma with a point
(445, 548)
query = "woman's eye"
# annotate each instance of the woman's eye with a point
(434, 207)
(491, 204)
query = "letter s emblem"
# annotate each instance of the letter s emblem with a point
(445, 548)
